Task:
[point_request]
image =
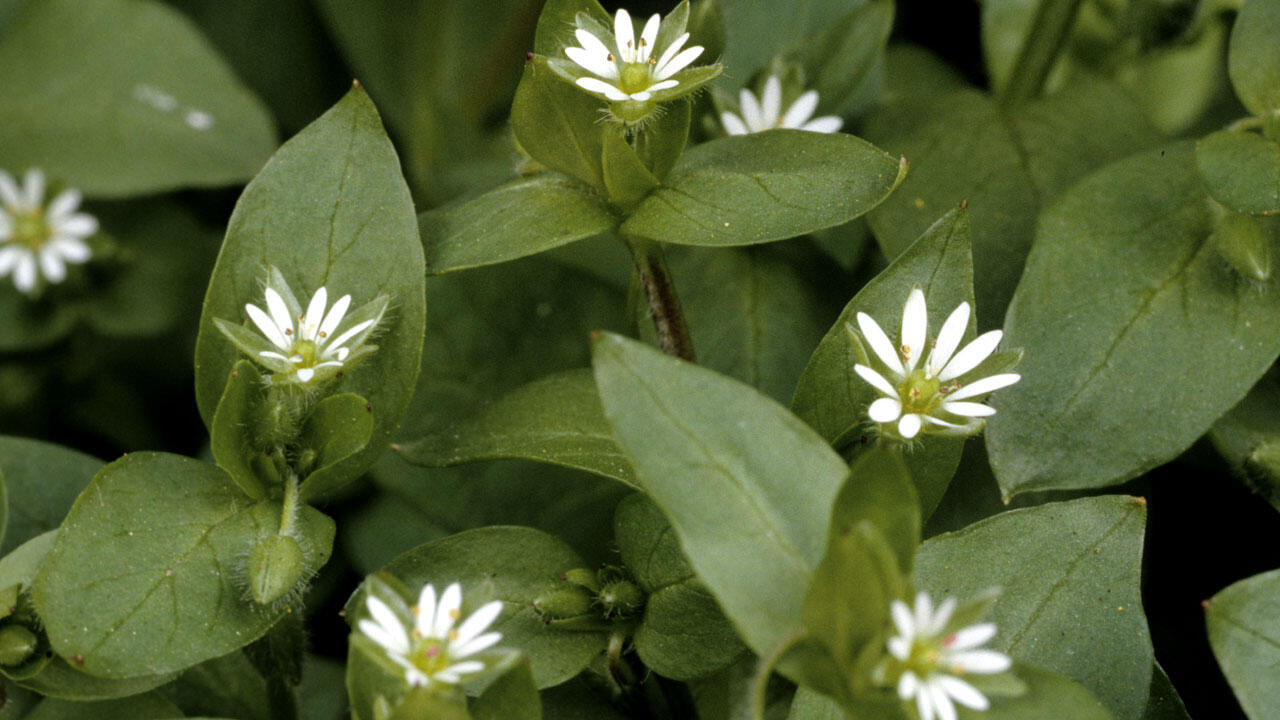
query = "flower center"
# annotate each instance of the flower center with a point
(30, 229)
(430, 656)
(634, 77)
(304, 353)
(920, 392)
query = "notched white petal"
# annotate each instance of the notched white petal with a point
(971, 356)
(982, 386)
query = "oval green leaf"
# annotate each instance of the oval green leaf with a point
(1246, 640)
(41, 481)
(1137, 335)
(124, 98)
(1253, 56)
(331, 209)
(1072, 601)
(1241, 170)
(147, 573)
(769, 186)
(746, 485)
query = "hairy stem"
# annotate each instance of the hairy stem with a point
(1049, 31)
(664, 304)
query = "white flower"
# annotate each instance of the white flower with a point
(304, 346)
(428, 646)
(36, 239)
(630, 68)
(929, 396)
(934, 656)
(767, 114)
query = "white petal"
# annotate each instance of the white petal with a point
(314, 315)
(72, 250)
(985, 385)
(475, 645)
(941, 701)
(885, 410)
(24, 274)
(387, 640)
(305, 374)
(962, 692)
(672, 50)
(825, 124)
(909, 425)
(942, 616)
(771, 101)
(968, 409)
(733, 124)
(273, 355)
(940, 423)
(908, 685)
(411, 671)
(390, 623)
(970, 637)
(51, 265)
(880, 343)
(625, 35)
(340, 352)
(924, 703)
(981, 661)
(903, 620)
(426, 618)
(447, 611)
(640, 96)
(602, 87)
(876, 380)
(279, 312)
(9, 193)
(923, 615)
(648, 37)
(9, 257)
(801, 110)
(80, 224)
(751, 111)
(677, 63)
(478, 621)
(64, 204)
(899, 648)
(663, 85)
(336, 313)
(33, 185)
(599, 64)
(338, 341)
(971, 356)
(267, 327)
(915, 325)
(464, 668)
(949, 338)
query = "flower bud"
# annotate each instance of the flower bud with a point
(621, 597)
(583, 577)
(276, 566)
(17, 644)
(563, 602)
(1243, 242)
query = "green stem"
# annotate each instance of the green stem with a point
(760, 682)
(1049, 31)
(664, 304)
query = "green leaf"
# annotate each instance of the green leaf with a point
(227, 686)
(1175, 84)
(338, 427)
(139, 707)
(879, 492)
(557, 419)
(1241, 170)
(769, 186)
(514, 565)
(41, 482)
(150, 561)
(839, 59)
(1072, 602)
(122, 99)
(558, 20)
(1249, 438)
(833, 399)
(722, 461)
(1245, 640)
(811, 705)
(683, 634)
(1025, 158)
(1049, 696)
(756, 31)
(512, 696)
(753, 312)
(522, 217)
(1163, 702)
(558, 124)
(332, 210)
(58, 679)
(1122, 296)
(1253, 57)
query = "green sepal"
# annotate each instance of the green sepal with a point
(1244, 242)
(231, 433)
(661, 142)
